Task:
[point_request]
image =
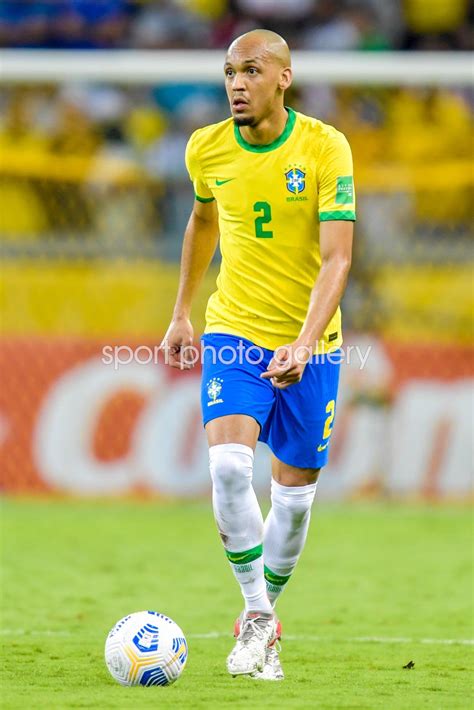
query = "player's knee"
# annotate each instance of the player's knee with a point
(293, 501)
(231, 466)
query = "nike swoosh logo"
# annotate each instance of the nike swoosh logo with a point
(321, 448)
(237, 560)
(223, 182)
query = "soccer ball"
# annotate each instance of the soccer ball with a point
(146, 648)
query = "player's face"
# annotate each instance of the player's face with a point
(253, 85)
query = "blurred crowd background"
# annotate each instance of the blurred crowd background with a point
(100, 168)
(138, 134)
(185, 24)
(95, 198)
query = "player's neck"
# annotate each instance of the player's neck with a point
(267, 130)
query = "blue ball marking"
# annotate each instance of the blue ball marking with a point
(149, 634)
(177, 642)
(154, 676)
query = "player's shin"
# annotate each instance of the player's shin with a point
(286, 529)
(239, 520)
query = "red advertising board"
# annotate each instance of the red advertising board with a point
(74, 419)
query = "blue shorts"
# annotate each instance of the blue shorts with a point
(296, 422)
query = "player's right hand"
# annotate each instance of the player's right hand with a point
(177, 345)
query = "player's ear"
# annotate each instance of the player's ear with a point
(286, 77)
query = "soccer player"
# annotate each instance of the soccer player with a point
(276, 186)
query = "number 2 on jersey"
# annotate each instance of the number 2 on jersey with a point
(265, 218)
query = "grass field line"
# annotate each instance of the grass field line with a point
(287, 637)
(350, 639)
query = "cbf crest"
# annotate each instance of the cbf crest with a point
(295, 179)
(214, 388)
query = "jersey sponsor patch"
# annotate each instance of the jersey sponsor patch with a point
(332, 336)
(344, 190)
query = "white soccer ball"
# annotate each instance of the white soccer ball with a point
(146, 648)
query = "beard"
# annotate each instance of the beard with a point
(244, 121)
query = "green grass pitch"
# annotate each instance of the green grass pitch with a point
(377, 586)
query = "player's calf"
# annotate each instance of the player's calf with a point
(239, 520)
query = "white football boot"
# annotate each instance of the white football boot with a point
(272, 669)
(257, 631)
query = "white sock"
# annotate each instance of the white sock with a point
(286, 528)
(239, 520)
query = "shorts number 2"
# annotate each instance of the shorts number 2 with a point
(330, 409)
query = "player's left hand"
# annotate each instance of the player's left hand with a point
(287, 365)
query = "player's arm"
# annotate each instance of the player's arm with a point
(335, 238)
(199, 245)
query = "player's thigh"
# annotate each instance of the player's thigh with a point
(233, 429)
(287, 475)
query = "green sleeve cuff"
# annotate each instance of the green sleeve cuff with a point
(344, 215)
(204, 199)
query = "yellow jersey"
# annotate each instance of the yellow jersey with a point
(270, 200)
